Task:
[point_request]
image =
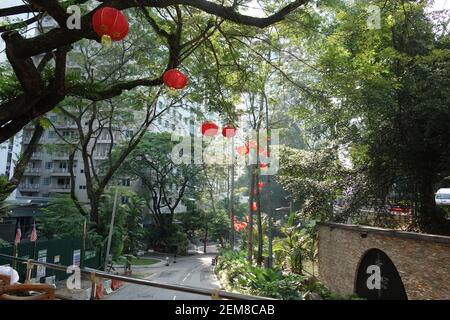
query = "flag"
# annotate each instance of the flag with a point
(33, 236)
(18, 234)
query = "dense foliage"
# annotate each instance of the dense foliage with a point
(238, 274)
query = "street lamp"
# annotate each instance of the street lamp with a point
(111, 227)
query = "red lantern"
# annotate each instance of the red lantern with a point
(260, 185)
(254, 206)
(209, 129)
(174, 78)
(263, 165)
(228, 131)
(110, 24)
(242, 150)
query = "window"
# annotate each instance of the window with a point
(63, 182)
(48, 165)
(53, 118)
(46, 181)
(51, 134)
(82, 187)
(125, 182)
(125, 199)
(81, 170)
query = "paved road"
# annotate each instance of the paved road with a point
(195, 271)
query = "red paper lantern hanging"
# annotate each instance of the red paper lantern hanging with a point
(260, 185)
(242, 150)
(263, 165)
(228, 131)
(209, 129)
(174, 78)
(254, 206)
(110, 24)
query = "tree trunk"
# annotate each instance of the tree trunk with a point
(429, 219)
(205, 238)
(259, 255)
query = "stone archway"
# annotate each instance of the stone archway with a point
(377, 278)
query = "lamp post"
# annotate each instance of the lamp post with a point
(111, 227)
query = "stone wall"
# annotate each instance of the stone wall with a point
(422, 261)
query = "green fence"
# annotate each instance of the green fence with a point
(59, 251)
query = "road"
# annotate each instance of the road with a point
(194, 271)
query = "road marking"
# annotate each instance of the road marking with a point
(189, 273)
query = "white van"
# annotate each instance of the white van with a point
(443, 197)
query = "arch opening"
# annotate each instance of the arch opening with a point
(378, 279)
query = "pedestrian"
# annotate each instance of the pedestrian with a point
(11, 273)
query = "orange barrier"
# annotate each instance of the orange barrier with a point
(99, 294)
(116, 284)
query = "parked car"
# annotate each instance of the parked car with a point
(442, 197)
(400, 209)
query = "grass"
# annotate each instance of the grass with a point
(138, 261)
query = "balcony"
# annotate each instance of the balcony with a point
(66, 125)
(100, 155)
(62, 188)
(29, 187)
(36, 155)
(60, 172)
(60, 155)
(32, 171)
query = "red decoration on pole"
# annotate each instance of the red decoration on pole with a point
(263, 165)
(260, 185)
(110, 24)
(254, 206)
(228, 131)
(174, 78)
(209, 129)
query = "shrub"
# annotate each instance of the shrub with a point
(234, 269)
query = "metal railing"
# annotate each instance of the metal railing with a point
(94, 275)
(29, 186)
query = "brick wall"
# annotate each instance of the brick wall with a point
(422, 261)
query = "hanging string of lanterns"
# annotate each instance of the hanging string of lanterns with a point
(210, 129)
(110, 24)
